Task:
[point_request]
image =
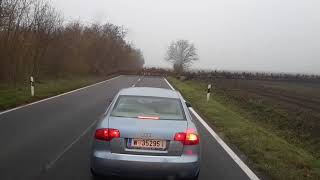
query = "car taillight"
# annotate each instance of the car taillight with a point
(106, 134)
(189, 138)
(180, 137)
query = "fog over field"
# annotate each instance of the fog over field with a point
(252, 35)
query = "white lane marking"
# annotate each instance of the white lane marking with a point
(50, 164)
(134, 85)
(233, 155)
(19, 107)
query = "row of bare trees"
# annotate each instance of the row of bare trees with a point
(34, 40)
(215, 74)
(251, 76)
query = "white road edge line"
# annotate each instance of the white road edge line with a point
(50, 164)
(242, 165)
(19, 107)
(233, 155)
(169, 84)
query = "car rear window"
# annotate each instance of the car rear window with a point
(153, 107)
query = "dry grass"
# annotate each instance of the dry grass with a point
(266, 149)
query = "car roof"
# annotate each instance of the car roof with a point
(150, 91)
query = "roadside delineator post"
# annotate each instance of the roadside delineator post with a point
(208, 92)
(32, 85)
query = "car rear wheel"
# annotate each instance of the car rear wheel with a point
(193, 178)
(94, 175)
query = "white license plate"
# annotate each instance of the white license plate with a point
(147, 144)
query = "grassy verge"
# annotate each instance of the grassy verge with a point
(266, 151)
(12, 96)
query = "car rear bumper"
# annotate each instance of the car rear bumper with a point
(107, 163)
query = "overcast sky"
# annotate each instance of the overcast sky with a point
(252, 35)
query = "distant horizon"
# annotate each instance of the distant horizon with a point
(239, 71)
(265, 35)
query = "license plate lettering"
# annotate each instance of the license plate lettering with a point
(147, 144)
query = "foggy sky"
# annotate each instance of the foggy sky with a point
(251, 35)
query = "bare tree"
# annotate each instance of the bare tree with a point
(34, 40)
(181, 54)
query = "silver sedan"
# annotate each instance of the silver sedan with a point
(146, 132)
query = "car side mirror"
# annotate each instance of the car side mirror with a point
(188, 104)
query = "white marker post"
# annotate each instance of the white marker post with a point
(208, 92)
(32, 86)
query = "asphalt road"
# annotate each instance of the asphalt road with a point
(52, 139)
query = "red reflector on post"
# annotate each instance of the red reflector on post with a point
(149, 117)
(107, 134)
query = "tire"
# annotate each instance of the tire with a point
(194, 178)
(94, 175)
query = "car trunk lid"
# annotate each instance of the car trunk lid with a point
(147, 128)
